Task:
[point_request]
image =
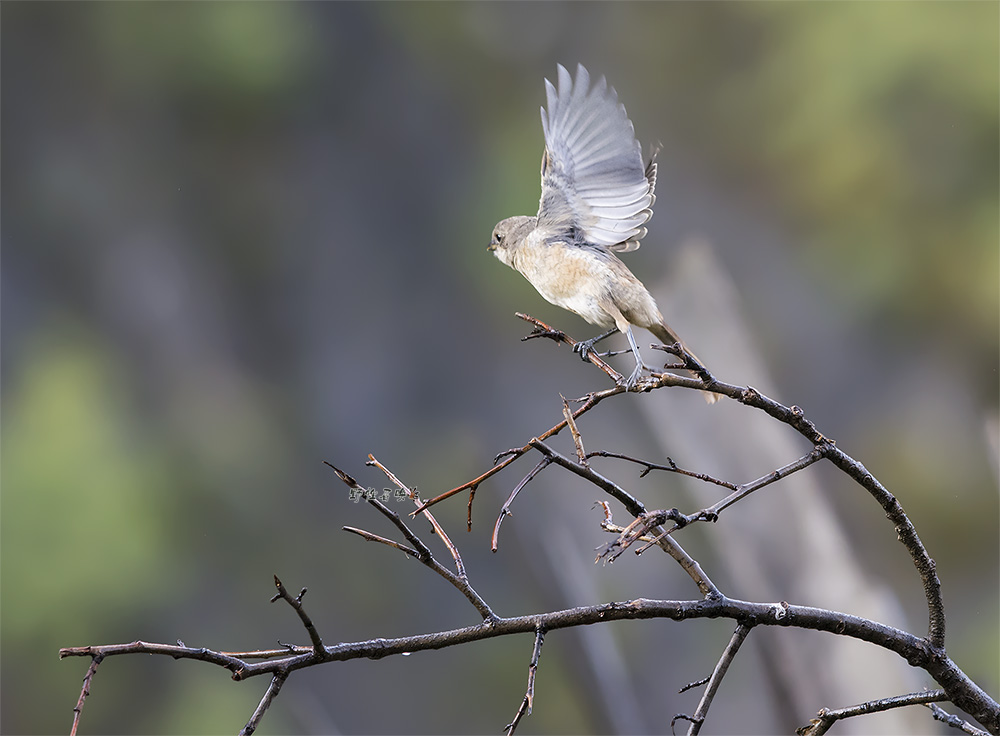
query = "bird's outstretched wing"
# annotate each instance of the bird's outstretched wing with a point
(595, 188)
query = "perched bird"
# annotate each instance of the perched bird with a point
(596, 196)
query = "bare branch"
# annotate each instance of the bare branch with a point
(543, 330)
(85, 691)
(424, 555)
(577, 437)
(513, 454)
(744, 490)
(381, 540)
(634, 507)
(914, 650)
(739, 636)
(438, 529)
(670, 467)
(296, 603)
(826, 718)
(505, 509)
(940, 714)
(423, 551)
(529, 695)
(265, 702)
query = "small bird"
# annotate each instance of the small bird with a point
(596, 196)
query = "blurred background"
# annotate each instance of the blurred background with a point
(239, 239)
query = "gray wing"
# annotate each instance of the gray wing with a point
(595, 189)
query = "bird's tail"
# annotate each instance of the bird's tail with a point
(667, 336)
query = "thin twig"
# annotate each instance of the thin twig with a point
(529, 695)
(296, 604)
(513, 454)
(826, 717)
(739, 636)
(265, 702)
(423, 554)
(505, 509)
(85, 691)
(544, 330)
(670, 467)
(381, 540)
(692, 685)
(634, 507)
(577, 437)
(438, 529)
(940, 714)
(608, 525)
(745, 489)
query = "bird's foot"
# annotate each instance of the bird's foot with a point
(584, 347)
(632, 380)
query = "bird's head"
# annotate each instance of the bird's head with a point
(508, 236)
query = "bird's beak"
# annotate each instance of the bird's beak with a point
(491, 247)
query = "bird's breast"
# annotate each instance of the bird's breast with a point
(568, 276)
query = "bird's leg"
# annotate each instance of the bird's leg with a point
(586, 346)
(639, 365)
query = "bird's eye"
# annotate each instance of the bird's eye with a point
(496, 237)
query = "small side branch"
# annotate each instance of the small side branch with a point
(529, 695)
(940, 714)
(423, 554)
(438, 529)
(544, 330)
(265, 702)
(296, 604)
(635, 508)
(739, 636)
(826, 718)
(670, 467)
(505, 509)
(513, 454)
(577, 437)
(85, 691)
(745, 489)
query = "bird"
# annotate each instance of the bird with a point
(597, 195)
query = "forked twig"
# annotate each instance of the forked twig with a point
(296, 604)
(419, 551)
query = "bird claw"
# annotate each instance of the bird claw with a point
(630, 382)
(583, 348)
(634, 378)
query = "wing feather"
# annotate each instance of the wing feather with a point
(595, 186)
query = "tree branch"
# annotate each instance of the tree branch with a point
(826, 718)
(529, 695)
(273, 688)
(296, 603)
(728, 655)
